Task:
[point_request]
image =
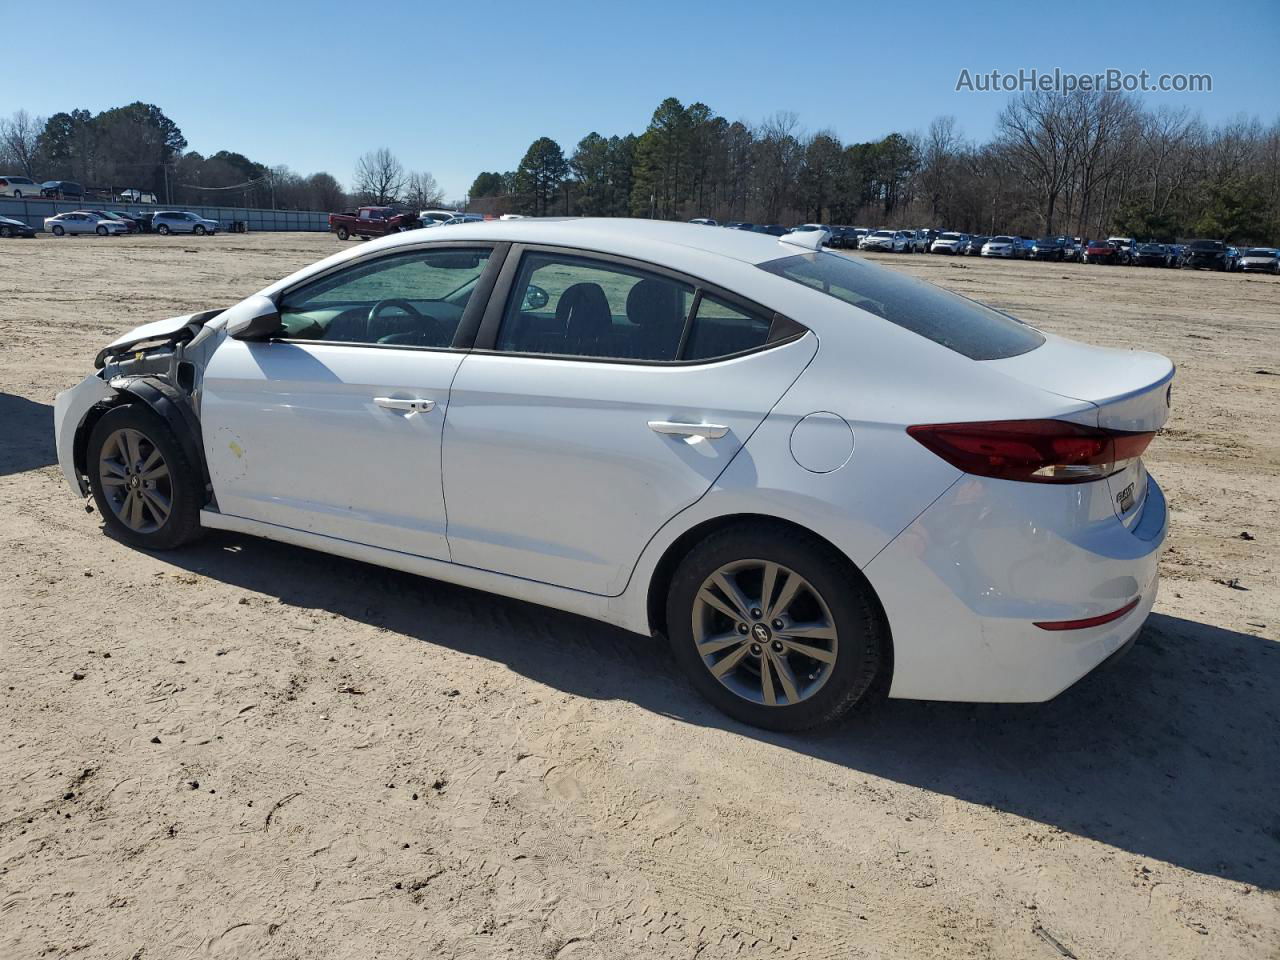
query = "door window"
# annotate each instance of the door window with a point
(575, 306)
(721, 329)
(413, 299)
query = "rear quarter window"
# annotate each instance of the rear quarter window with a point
(946, 318)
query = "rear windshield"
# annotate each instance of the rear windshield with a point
(955, 322)
(1260, 252)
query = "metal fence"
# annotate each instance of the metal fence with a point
(33, 212)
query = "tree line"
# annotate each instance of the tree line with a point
(1084, 164)
(138, 147)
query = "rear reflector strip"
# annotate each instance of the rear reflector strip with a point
(1089, 621)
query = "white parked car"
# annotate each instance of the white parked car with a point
(84, 221)
(176, 221)
(1009, 247)
(894, 241)
(951, 243)
(815, 476)
(704, 222)
(12, 185)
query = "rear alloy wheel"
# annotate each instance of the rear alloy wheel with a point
(6, 232)
(163, 229)
(147, 490)
(198, 230)
(343, 234)
(774, 628)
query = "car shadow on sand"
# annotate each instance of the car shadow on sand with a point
(1169, 751)
(26, 434)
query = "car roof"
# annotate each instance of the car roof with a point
(614, 235)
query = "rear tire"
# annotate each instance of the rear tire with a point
(163, 229)
(343, 234)
(147, 490)
(6, 232)
(831, 603)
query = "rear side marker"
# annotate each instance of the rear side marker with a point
(1089, 621)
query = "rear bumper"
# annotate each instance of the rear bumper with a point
(965, 584)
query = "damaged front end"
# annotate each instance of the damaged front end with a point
(158, 364)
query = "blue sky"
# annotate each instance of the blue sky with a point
(455, 88)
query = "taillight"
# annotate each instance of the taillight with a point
(1038, 451)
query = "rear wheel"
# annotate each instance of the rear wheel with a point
(6, 232)
(147, 490)
(774, 628)
(343, 234)
(163, 229)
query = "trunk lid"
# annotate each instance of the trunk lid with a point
(1130, 389)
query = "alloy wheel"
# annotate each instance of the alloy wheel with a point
(764, 632)
(135, 480)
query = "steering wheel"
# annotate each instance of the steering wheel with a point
(376, 310)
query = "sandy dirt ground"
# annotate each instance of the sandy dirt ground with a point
(249, 750)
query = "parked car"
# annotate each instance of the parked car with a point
(182, 221)
(1072, 249)
(809, 227)
(845, 238)
(894, 241)
(82, 221)
(12, 185)
(131, 224)
(994, 538)
(701, 221)
(465, 218)
(974, 247)
(1260, 260)
(918, 241)
(61, 190)
(368, 222)
(1233, 259)
(1010, 248)
(1152, 255)
(1126, 249)
(431, 218)
(10, 227)
(772, 229)
(740, 225)
(1206, 255)
(1049, 248)
(137, 196)
(951, 243)
(1177, 253)
(1102, 251)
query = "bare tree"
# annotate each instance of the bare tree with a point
(379, 176)
(421, 191)
(1038, 131)
(19, 137)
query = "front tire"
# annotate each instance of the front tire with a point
(198, 230)
(58, 231)
(775, 628)
(101, 231)
(147, 490)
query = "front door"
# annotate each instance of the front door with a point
(601, 409)
(334, 427)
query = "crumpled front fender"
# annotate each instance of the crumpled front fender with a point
(69, 410)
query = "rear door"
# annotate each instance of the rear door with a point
(603, 397)
(334, 427)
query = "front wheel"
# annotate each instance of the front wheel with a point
(58, 231)
(102, 231)
(774, 628)
(198, 230)
(147, 490)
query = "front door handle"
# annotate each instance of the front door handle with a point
(706, 431)
(395, 403)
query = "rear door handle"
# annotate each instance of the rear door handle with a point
(395, 403)
(707, 431)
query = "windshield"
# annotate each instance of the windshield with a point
(1260, 252)
(1206, 245)
(955, 322)
(883, 233)
(950, 236)
(1001, 240)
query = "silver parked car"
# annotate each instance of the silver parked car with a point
(174, 221)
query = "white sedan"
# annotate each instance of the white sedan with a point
(894, 241)
(83, 221)
(1007, 247)
(816, 476)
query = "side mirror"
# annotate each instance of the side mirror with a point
(535, 298)
(255, 319)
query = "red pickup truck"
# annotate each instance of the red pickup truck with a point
(372, 222)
